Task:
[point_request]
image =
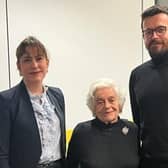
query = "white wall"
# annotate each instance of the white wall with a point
(86, 40)
(3, 48)
(145, 54)
(162, 2)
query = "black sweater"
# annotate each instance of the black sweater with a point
(97, 145)
(149, 101)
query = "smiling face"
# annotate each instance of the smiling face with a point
(157, 43)
(33, 65)
(107, 106)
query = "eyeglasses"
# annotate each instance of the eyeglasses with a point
(160, 31)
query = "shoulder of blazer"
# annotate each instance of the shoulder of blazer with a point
(8, 95)
(13, 93)
(9, 99)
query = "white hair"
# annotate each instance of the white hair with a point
(101, 83)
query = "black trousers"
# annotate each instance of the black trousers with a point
(153, 163)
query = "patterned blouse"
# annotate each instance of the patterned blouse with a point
(49, 126)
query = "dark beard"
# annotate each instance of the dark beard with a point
(158, 58)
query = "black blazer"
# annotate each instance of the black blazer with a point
(20, 145)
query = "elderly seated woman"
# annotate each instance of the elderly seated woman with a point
(107, 141)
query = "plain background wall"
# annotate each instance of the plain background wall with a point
(162, 2)
(86, 40)
(145, 5)
(3, 48)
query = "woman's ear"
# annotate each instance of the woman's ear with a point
(48, 61)
(18, 67)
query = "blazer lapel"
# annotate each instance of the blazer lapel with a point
(61, 117)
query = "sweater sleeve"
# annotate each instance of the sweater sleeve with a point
(133, 100)
(73, 154)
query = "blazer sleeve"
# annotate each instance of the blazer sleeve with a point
(133, 100)
(5, 125)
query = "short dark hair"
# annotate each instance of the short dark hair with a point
(153, 10)
(32, 42)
